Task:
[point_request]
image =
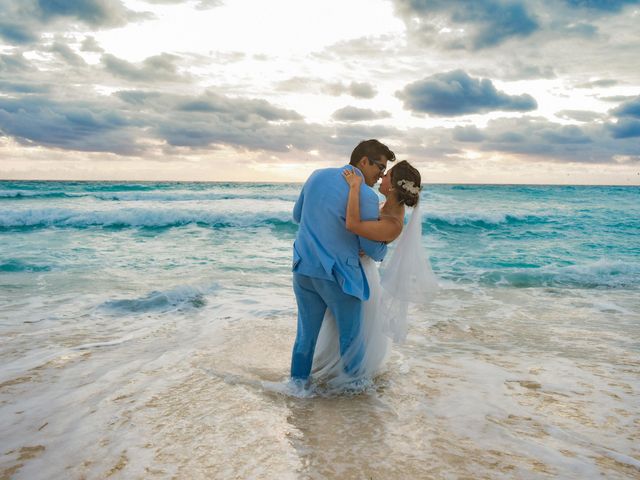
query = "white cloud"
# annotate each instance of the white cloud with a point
(250, 78)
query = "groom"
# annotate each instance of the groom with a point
(326, 264)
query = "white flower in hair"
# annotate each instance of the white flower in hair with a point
(409, 186)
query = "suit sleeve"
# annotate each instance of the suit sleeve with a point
(297, 208)
(369, 211)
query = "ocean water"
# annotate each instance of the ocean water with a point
(142, 323)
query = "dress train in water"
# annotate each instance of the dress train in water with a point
(372, 343)
(407, 277)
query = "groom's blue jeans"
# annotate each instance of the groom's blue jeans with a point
(314, 296)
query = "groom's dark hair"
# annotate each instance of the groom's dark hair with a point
(373, 150)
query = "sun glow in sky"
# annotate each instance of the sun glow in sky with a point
(496, 91)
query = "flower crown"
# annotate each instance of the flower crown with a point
(409, 186)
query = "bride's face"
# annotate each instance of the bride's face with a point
(385, 184)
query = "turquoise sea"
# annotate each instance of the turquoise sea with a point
(138, 320)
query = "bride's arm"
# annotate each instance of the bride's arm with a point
(383, 230)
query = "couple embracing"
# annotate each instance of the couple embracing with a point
(347, 314)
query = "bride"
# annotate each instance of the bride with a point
(407, 277)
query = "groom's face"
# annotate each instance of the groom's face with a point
(373, 170)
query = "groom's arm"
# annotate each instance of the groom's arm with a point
(369, 211)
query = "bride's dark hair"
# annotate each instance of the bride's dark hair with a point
(405, 179)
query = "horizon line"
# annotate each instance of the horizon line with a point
(302, 182)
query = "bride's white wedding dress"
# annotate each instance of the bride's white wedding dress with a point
(406, 277)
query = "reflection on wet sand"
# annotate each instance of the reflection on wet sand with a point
(340, 437)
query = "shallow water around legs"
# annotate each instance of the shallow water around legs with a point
(134, 350)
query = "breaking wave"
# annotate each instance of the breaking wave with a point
(139, 217)
(180, 297)
(599, 274)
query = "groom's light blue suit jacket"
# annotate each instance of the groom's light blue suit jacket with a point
(324, 248)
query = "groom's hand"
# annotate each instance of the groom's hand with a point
(361, 253)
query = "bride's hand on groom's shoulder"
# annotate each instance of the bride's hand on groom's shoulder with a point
(351, 177)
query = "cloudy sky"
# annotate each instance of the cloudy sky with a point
(486, 91)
